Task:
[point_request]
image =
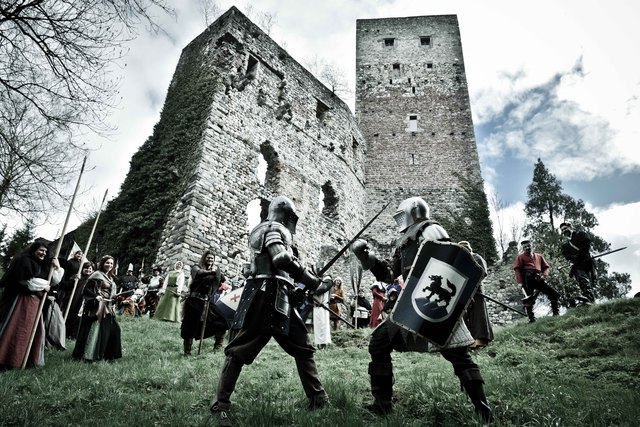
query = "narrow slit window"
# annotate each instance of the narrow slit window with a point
(413, 124)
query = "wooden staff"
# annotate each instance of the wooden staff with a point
(86, 252)
(55, 255)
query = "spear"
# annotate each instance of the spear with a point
(55, 255)
(86, 252)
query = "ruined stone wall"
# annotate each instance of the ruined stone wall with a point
(266, 107)
(412, 105)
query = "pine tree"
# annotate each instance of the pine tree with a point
(21, 239)
(547, 206)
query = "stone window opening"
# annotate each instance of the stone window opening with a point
(252, 67)
(256, 211)
(429, 65)
(329, 200)
(413, 89)
(321, 110)
(354, 142)
(396, 69)
(425, 41)
(389, 42)
(412, 125)
(273, 165)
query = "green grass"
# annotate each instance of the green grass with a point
(579, 369)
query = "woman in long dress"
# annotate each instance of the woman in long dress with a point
(99, 333)
(321, 322)
(169, 305)
(74, 316)
(24, 284)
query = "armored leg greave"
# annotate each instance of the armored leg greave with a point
(473, 384)
(310, 380)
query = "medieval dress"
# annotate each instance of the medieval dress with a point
(321, 323)
(99, 332)
(169, 306)
(23, 283)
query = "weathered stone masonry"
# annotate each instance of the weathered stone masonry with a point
(269, 107)
(413, 108)
(413, 129)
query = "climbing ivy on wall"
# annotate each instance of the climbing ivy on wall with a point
(131, 225)
(471, 221)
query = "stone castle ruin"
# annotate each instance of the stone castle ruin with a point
(273, 129)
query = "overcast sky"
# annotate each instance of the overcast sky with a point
(556, 80)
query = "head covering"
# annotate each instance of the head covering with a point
(465, 245)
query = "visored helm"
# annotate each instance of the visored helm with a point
(283, 210)
(410, 211)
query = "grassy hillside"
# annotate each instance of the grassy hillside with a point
(580, 369)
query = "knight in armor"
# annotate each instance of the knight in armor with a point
(206, 278)
(412, 218)
(266, 309)
(577, 250)
(532, 270)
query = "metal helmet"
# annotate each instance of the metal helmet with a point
(282, 210)
(410, 211)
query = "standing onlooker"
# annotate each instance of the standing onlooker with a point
(99, 332)
(379, 297)
(24, 284)
(169, 306)
(476, 317)
(73, 317)
(205, 281)
(321, 322)
(153, 286)
(71, 267)
(531, 270)
(335, 302)
(361, 309)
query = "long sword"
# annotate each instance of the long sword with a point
(344, 249)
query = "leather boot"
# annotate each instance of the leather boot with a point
(219, 341)
(529, 310)
(228, 377)
(187, 344)
(311, 384)
(381, 388)
(473, 384)
(555, 310)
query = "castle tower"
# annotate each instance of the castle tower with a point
(265, 110)
(412, 105)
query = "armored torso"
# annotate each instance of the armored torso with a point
(263, 235)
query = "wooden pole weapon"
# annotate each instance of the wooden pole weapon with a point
(55, 255)
(86, 252)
